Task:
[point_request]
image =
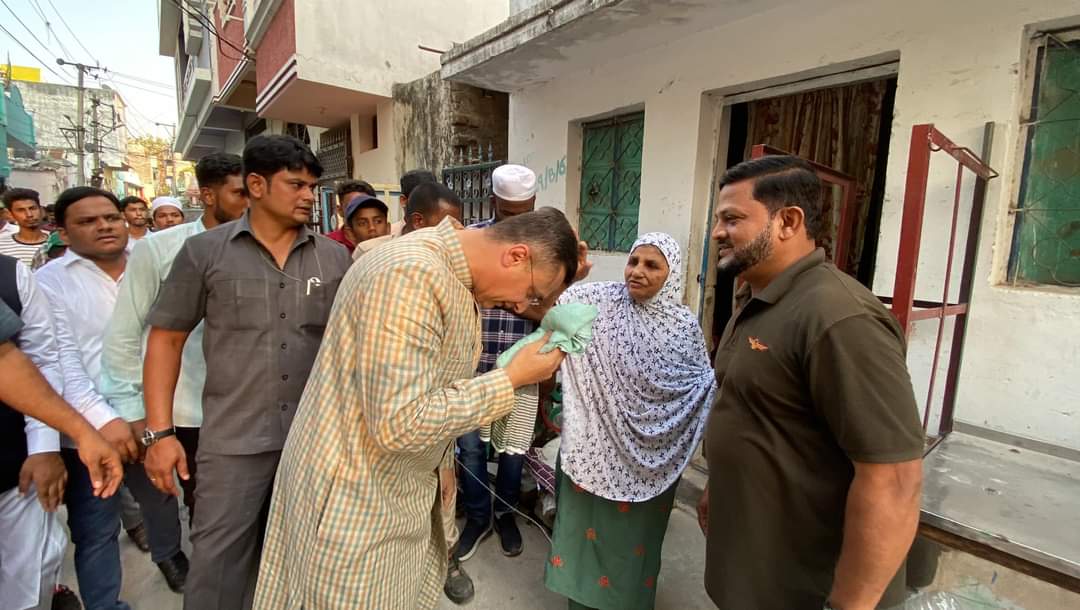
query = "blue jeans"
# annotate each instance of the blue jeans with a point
(475, 494)
(95, 525)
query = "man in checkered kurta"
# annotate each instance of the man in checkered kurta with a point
(356, 519)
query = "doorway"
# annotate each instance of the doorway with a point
(845, 127)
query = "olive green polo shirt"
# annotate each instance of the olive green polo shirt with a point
(812, 377)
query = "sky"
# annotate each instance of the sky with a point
(120, 35)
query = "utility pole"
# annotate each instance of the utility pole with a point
(171, 161)
(95, 180)
(80, 129)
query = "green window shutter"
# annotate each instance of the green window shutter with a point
(611, 182)
(1046, 245)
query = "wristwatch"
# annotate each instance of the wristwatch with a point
(150, 437)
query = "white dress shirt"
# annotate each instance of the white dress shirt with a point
(82, 297)
(38, 341)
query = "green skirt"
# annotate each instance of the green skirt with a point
(606, 554)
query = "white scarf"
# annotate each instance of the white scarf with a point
(635, 402)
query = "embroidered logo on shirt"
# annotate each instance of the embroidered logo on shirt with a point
(758, 346)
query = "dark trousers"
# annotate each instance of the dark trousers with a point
(189, 440)
(226, 538)
(95, 525)
(160, 512)
(475, 494)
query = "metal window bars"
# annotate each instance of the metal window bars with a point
(471, 180)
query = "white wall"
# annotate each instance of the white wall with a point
(49, 184)
(376, 165)
(368, 46)
(960, 66)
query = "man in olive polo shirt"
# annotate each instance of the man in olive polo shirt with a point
(814, 444)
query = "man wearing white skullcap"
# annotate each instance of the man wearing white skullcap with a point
(166, 212)
(513, 189)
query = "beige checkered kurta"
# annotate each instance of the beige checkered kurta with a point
(356, 520)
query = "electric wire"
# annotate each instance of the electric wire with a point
(45, 65)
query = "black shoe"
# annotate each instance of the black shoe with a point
(471, 538)
(175, 571)
(509, 535)
(65, 599)
(459, 586)
(137, 535)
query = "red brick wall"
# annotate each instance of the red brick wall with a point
(278, 45)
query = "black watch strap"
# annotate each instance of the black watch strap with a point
(150, 437)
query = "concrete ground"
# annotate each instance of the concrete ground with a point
(501, 583)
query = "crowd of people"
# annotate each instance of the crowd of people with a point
(323, 406)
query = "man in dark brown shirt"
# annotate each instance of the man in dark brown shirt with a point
(264, 285)
(814, 444)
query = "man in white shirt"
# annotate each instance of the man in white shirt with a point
(81, 287)
(32, 549)
(25, 207)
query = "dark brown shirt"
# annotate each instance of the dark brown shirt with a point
(812, 377)
(263, 328)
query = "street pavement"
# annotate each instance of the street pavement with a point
(501, 583)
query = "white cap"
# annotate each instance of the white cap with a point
(513, 183)
(161, 202)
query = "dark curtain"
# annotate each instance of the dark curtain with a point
(838, 127)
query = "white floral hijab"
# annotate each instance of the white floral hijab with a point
(635, 402)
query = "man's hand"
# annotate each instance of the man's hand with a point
(703, 511)
(102, 461)
(46, 472)
(118, 432)
(162, 459)
(584, 265)
(447, 487)
(529, 366)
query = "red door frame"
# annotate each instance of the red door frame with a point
(926, 140)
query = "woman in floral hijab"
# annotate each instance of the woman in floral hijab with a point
(634, 405)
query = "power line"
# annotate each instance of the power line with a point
(43, 64)
(202, 18)
(37, 9)
(72, 32)
(27, 28)
(170, 91)
(116, 84)
(139, 79)
(36, 5)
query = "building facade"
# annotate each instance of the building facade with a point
(323, 70)
(54, 108)
(630, 110)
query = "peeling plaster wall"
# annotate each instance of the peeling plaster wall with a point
(434, 118)
(422, 123)
(960, 66)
